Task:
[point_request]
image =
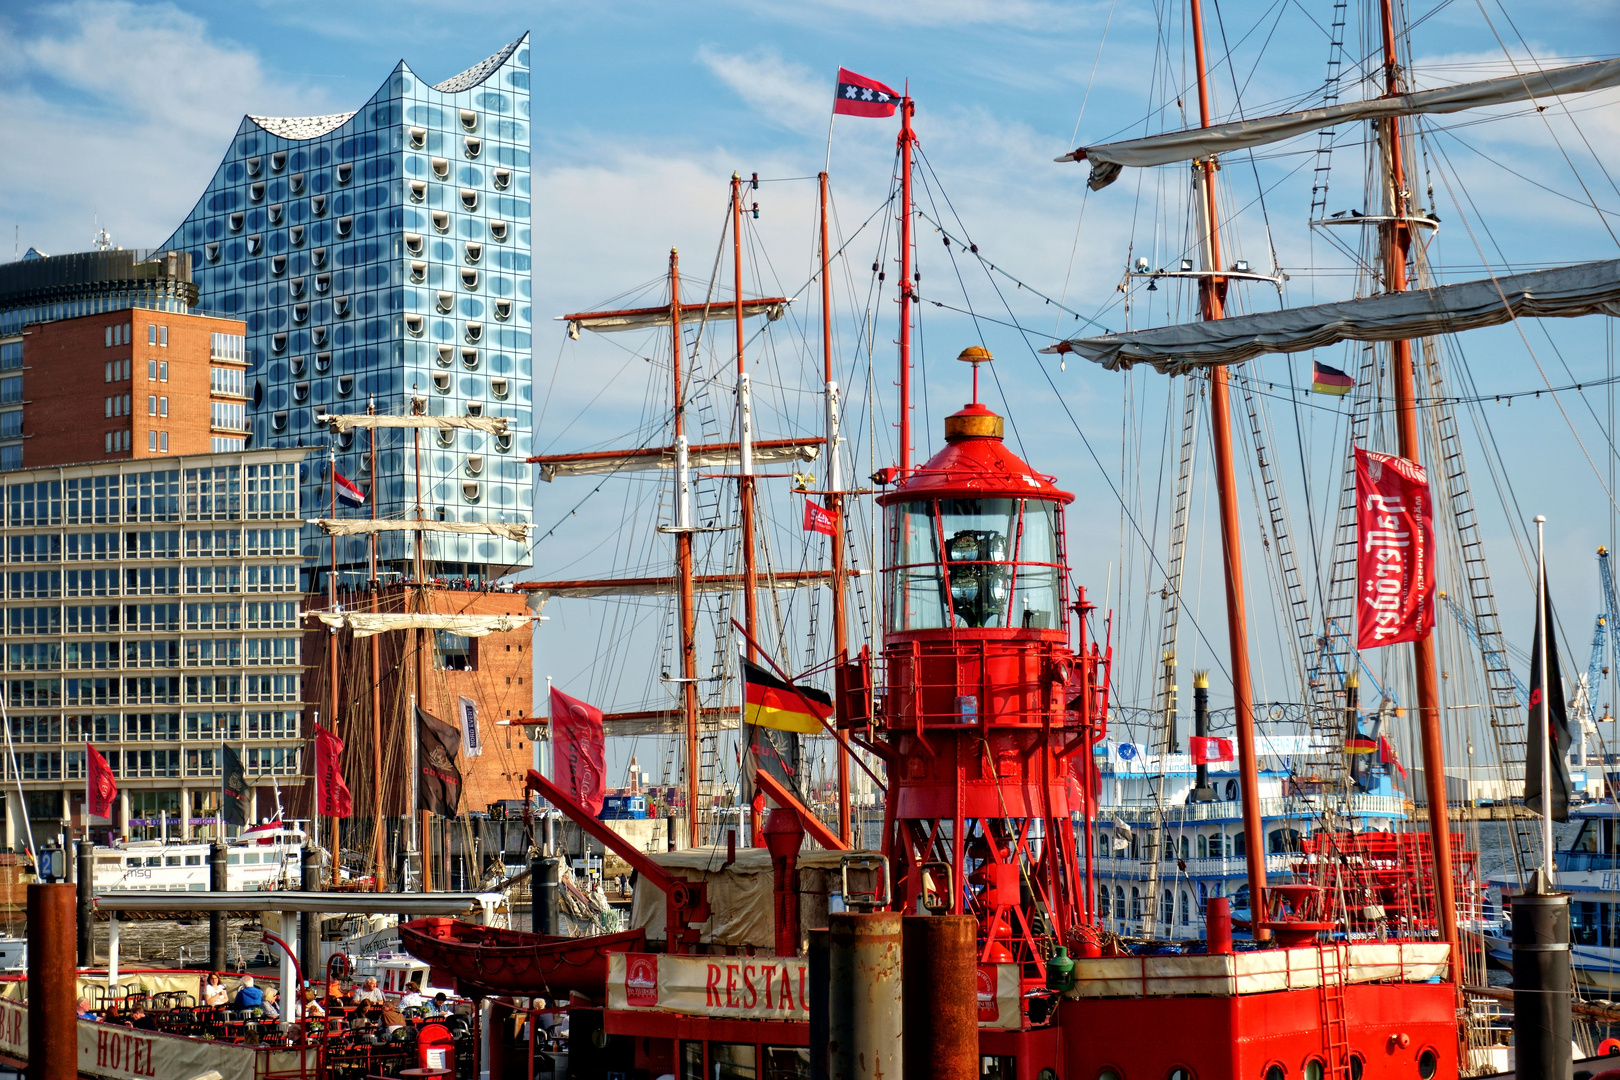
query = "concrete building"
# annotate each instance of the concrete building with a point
(151, 609)
(384, 254)
(145, 379)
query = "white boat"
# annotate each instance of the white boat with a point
(268, 856)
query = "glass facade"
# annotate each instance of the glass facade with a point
(151, 608)
(385, 254)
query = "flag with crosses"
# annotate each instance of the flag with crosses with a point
(859, 96)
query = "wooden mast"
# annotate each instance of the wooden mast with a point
(835, 504)
(745, 479)
(379, 847)
(907, 138)
(418, 637)
(1212, 302)
(1397, 248)
(683, 558)
(332, 661)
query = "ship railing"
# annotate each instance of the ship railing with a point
(1233, 866)
(1294, 806)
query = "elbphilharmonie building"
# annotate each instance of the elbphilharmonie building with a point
(379, 256)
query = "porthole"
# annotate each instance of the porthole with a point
(1428, 1063)
(1180, 1072)
(1108, 1073)
(1312, 1070)
(1275, 1071)
(1358, 1065)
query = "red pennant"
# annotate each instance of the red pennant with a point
(335, 798)
(102, 789)
(1395, 545)
(579, 767)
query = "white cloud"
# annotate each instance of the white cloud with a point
(124, 111)
(787, 94)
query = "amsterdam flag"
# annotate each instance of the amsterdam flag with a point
(1330, 380)
(438, 779)
(770, 702)
(1557, 725)
(859, 96)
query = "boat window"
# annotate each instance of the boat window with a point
(787, 1063)
(193, 860)
(997, 1068)
(171, 860)
(691, 1060)
(1274, 1071)
(1587, 839)
(1313, 1069)
(1108, 1074)
(233, 860)
(1182, 1073)
(132, 863)
(1001, 557)
(1428, 1063)
(1358, 1064)
(251, 857)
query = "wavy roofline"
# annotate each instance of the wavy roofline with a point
(481, 71)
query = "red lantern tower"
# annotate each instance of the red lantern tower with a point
(991, 702)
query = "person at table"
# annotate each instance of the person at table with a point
(249, 996)
(369, 992)
(139, 1018)
(412, 997)
(85, 1011)
(362, 1020)
(271, 1005)
(392, 1018)
(334, 997)
(441, 1004)
(313, 1009)
(214, 995)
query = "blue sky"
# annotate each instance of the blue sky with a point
(118, 112)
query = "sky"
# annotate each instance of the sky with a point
(113, 115)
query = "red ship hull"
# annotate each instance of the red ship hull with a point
(487, 960)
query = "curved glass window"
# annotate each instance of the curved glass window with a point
(969, 563)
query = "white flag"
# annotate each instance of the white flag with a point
(471, 744)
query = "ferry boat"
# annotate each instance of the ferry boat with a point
(266, 856)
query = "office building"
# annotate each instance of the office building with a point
(151, 608)
(379, 256)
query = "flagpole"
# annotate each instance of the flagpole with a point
(1544, 717)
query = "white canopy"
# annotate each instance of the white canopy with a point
(698, 457)
(518, 531)
(1107, 159)
(773, 308)
(365, 624)
(495, 425)
(1586, 289)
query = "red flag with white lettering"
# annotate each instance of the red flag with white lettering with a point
(819, 519)
(1395, 551)
(578, 765)
(101, 790)
(335, 798)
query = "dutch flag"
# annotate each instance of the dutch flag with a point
(347, 493)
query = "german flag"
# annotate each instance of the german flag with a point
(1330, 380)
(1360, 744)
(772, 703)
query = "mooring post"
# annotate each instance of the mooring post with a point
(864, 996)
(217, 883)
(53, 1024)
(87, 894)
(816, 963)
(1541, 1012)
(940, 1018)
(309, 929)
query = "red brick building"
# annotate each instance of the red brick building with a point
(126, 384)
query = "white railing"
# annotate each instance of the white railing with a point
(1294, 806)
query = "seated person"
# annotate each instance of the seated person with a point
(362, 1019)
(140, 1018)
(214, 994)
(249, 996)
(412, 997)
(441, 1004)
(369, 992)
(271, 1005)
(312, 1006)
(85, 1011)
(392, 1019)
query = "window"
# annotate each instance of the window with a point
(469, 198)
(503, 179)
(469, 278)
(151, 440)
(227, 347)
(11, 424)
(455, 652)
(441, 221)
(11, 356)
(163, 371)
(163, 406)
(345, 225)
(163, 337)
(441, 168)
(472, 146)
(151, 405)
(109, 338)
(151, 331)
(163, 441)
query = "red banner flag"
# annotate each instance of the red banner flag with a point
(577, 758)
(335, 798)
(819, 519)
(101, 790)
(1208, 750)
(859, 96)
(1395, 551)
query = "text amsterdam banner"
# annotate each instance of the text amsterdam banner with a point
(760, 987)
(1394, 551)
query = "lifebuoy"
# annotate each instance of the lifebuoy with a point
(1608, 1048)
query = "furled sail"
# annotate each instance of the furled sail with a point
(718, 455)
(495, 425)
(1586, 289)
(772, 307)
(518, 531)
(365, 624)
(1107, 159)
(542, 591)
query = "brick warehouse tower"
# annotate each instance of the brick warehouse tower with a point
(377, 254)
